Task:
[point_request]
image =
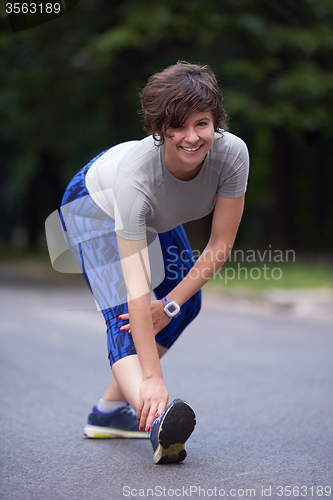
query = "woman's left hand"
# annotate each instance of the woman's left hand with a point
(159, 317)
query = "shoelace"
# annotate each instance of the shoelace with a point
(129, 411)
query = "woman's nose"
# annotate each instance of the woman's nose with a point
(191, 135)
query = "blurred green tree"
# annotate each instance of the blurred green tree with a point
(69, 89)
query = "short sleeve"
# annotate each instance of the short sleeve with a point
(130, 211)
(234, 176)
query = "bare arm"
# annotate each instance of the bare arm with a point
(135, 265)
(227, 216)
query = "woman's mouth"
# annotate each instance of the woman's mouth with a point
(190, 150)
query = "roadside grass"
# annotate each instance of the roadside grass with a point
(305, 272)
(264, 276)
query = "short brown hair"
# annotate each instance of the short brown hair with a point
(171, 95)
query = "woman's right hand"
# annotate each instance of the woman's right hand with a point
(153, 401)
(159, 317)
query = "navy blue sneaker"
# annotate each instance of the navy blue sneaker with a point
(170, 431)
(120, 423)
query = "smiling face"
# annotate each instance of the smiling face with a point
(186, 146)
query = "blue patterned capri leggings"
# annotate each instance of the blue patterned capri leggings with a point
(97, 243)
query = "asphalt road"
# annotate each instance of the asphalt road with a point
(260, 383)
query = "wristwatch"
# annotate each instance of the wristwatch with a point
(171, 308)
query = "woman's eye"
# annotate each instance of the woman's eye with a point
(202, 124)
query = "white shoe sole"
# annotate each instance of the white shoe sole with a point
(93, 431)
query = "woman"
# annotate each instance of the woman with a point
(112, 212)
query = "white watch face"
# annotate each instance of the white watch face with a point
(172, 308)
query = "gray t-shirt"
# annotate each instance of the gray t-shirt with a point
(131, 183)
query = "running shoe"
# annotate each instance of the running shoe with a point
(120, 423)
(170, 431)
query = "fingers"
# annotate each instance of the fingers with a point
(127, 327)
(143, 418)
(153, 399)
(148, 414)
(160, 408)
(155, 411)
(124, 316)
(147, 417)
(151, 417)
